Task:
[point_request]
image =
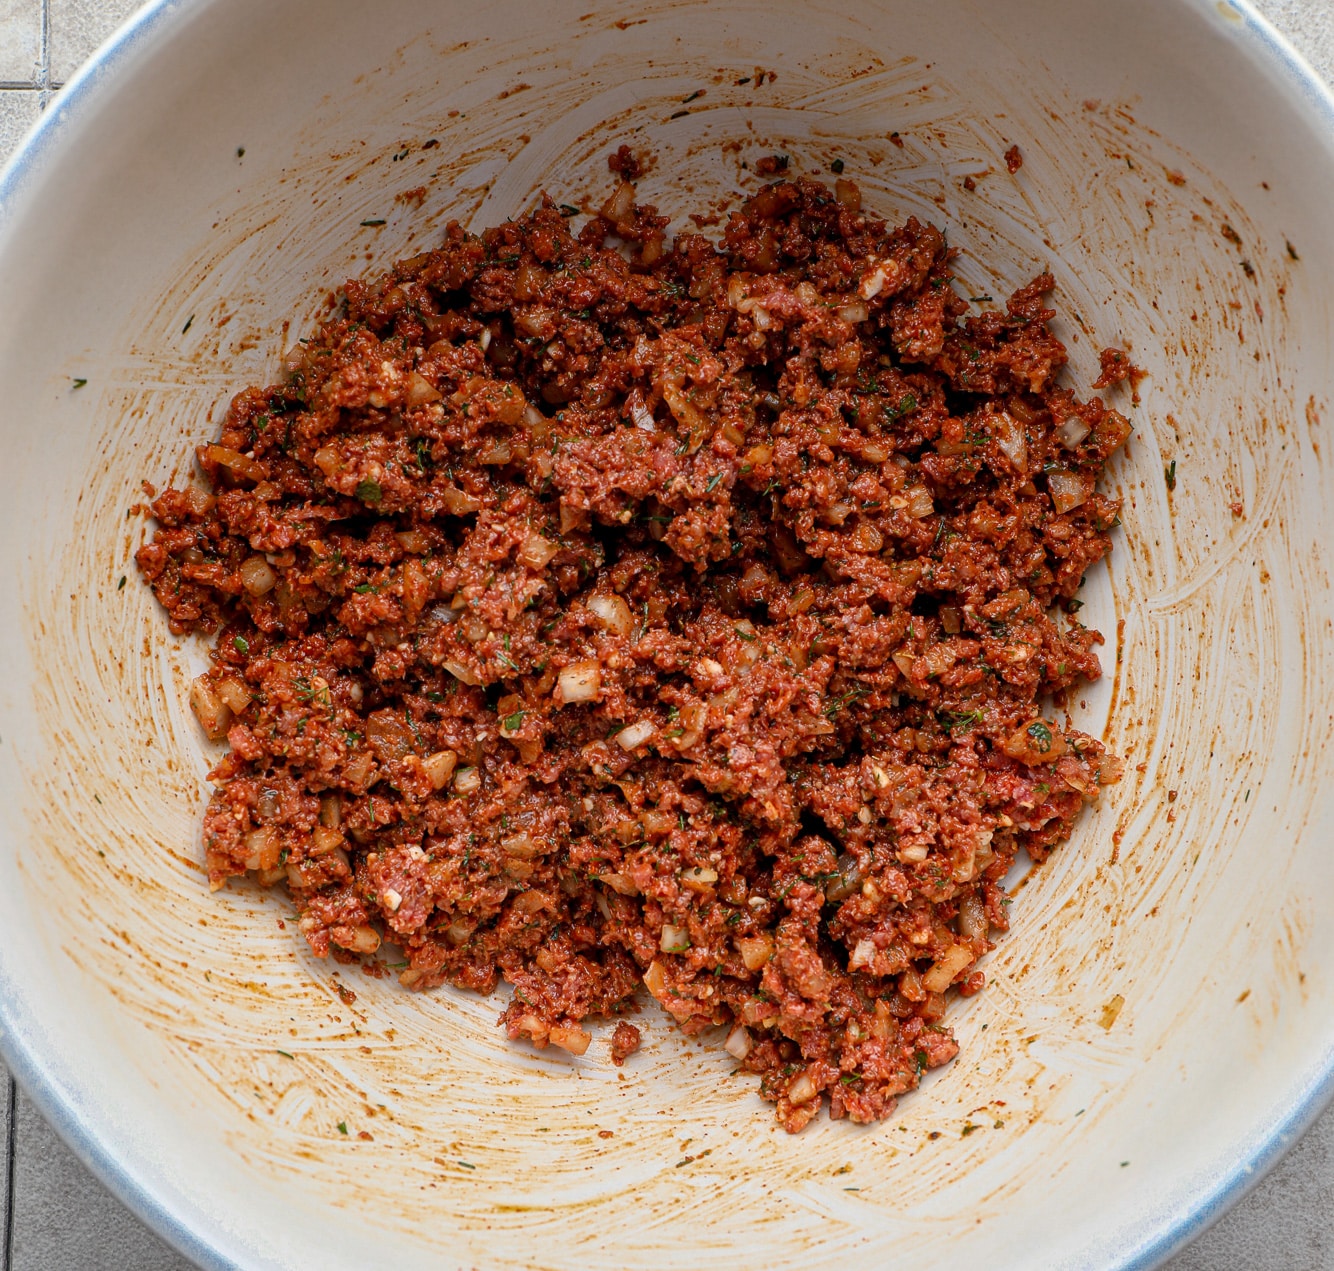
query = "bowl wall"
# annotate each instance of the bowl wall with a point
(178, 222)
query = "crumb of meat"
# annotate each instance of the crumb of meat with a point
(771, 165)
(1013, 159)
(593, 611)
(1115, 365)
(624, 161)
(624, 1042)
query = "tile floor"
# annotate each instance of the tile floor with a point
(59, 1218)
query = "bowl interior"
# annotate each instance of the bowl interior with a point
(178, 224)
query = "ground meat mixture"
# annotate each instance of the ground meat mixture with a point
(593, 609)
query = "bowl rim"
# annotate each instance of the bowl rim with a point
(20, 1043)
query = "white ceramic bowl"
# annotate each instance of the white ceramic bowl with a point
(195, 190)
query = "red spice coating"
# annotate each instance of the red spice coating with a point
(791, 525)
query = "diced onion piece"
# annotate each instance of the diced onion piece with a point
(846, 881)
(571, 1038)
(420, 391)
(639, 413)
(454, 501)
(942, 972)
(655, 979)
(198, 502)
(257, 576)
(619, 883)
(528, 280)
(1110, 770)
(234, 694)
(579, 682)
(802, 1089)
(520, 845)
(458, 931)
(699, 878)
(914, 853)
(673, 939)
(263, 847)
(467, 780)
(213, 713)
(755, 951)
(920, 503)
(694, 421)
(331, 811)
(847, 193)
(439, 767)
(1009, 434)
(862, 954)
(413, 541)
(495, 453)
(738, 1043)
(612, 613)
(621, 203)
(1069, 489)
(571, 517)
(325, 839)
(461, 673)
(635, 735)
(973, 924)
(757, 456)
(867, 539)
(363, 940)
(854, 312)
(537, 551)
(874, 280)
(1073, 431)
(905, 662)
(234, 460)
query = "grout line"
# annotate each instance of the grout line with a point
(9, 1174)
(44, 65)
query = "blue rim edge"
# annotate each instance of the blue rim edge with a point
(58, 1105)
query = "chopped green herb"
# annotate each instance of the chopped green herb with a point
(979, 299)
(374, 222)
(120, 585)
(369, 492)
(680, 114)
(342, 1127)
(467, 1165)
(79, 382)
(713, 483)
(241, 644)
(1170, 474)
(685, 101)
(567, 209)
(836, 167)
(189, 322)
(512, 723)
(285, 1055)
(1040, 733)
